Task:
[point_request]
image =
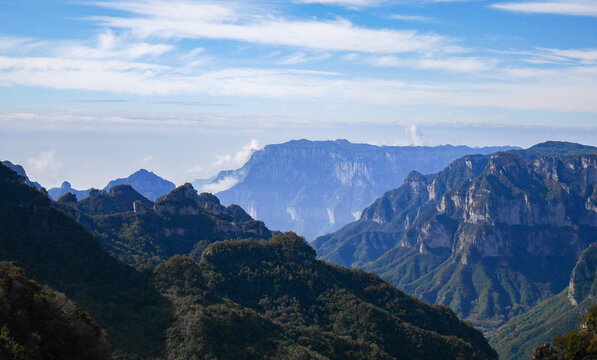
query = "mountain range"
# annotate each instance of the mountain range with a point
(315, 187)
(243, 298)
(490, 236)
(145, 182)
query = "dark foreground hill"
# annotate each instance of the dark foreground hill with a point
(39, 323)
(55, 250)
(490, 236)
(250, 299)
(303, 308)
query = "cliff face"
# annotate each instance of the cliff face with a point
(314, 187)
(181, 222)
(489, 236)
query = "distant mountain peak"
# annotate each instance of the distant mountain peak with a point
(146, 183)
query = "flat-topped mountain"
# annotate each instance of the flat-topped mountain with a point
(314, 187)
(490, 236)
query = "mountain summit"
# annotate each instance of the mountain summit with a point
(314, 187)
(146, 183)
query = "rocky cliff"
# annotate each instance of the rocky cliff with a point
(182, 222)
(314, 187)
(489, 236)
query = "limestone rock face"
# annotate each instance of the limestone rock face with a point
(489, 235)
(583, 282)
(315, 187)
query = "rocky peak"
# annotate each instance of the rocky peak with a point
(122, 190)
(146, 183)
(69, 199)
(210, 203)
(183, 200)
(119, 199)
(238, 213)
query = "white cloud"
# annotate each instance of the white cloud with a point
(147, 159)
(224, 162)
(227, 21)
(300, 57)
(110, 46)
(581, 56)
(348, 3)
(418, 18)
(459, 64)
(221, 185)
(413, 134)
(45, 168)
(561, 7)
(231, 161)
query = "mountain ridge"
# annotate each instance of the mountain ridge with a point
(452, 244)
(314, 187)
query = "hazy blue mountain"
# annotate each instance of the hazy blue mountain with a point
(65, 188)
(490, 236)
(146, 183)
(314, 187)
(19, 170)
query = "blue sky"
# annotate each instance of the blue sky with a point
(90, 91)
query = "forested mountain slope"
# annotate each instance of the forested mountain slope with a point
(557, 315)
(490, 236)
(253, 299)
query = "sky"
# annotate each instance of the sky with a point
(94, 90)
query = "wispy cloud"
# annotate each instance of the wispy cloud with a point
(231, 161)
(301, 57)
(347, 3)
(110, 46)
(560, 7)
(418, 18)
(224, 162)
(220, 185)
(46, 166)
(458, 64)
(226, 21)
